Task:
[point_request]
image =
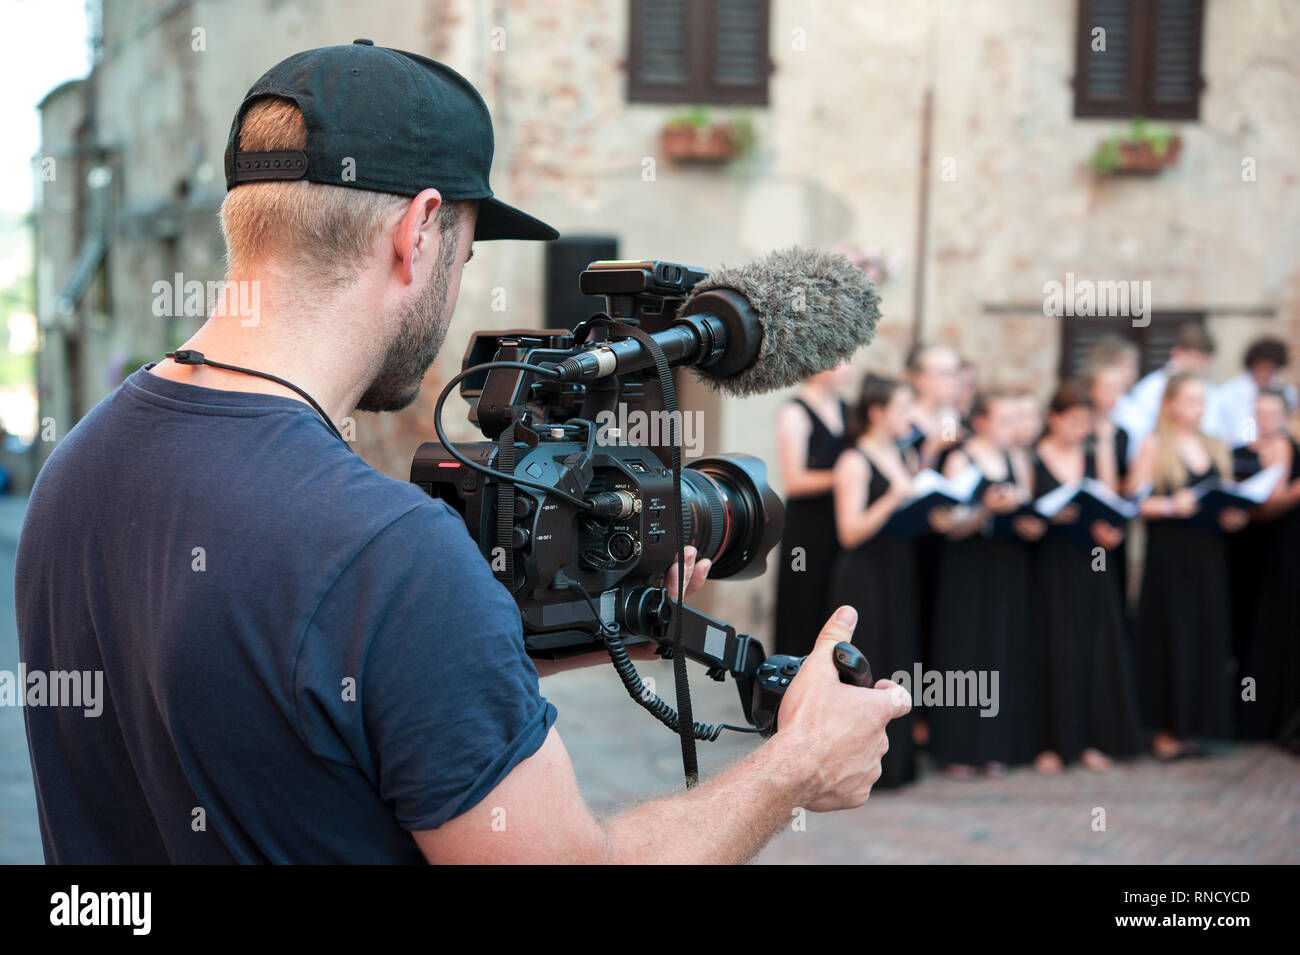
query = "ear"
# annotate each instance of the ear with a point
(415, 232)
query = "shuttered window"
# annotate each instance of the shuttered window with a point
(698, 51)
(1150, 65)
(1154, 342)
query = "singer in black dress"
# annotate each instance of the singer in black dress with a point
(1270, 652)
(981, 617)
(1248, 555)
(1085, 690)
(1185, 670)
(877, 577)
(803, 576)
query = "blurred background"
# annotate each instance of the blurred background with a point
(965, 153)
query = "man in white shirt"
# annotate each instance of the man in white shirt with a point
(1232, 404)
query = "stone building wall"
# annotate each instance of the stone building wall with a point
(837, 162)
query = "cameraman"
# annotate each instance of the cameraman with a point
(304, 660)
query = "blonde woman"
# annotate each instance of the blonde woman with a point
(1183, 625)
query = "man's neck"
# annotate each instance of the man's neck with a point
(316, 347)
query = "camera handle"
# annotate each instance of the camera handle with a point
(761, 680)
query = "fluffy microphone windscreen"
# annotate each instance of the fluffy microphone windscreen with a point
(816, 308)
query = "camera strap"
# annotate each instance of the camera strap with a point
(685, 722)
(506, 506)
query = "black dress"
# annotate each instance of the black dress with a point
(809, 524)
(1271, 653)
(981, 627)
(1119, 556)
(1248, 554)
(1185, 669)
(929, 548)
(878, 579)
(1084, 690)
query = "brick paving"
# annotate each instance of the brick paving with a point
(1239, 805)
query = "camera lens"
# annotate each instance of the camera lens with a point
(733, 516)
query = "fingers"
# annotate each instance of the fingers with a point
(670, 579)
(701, 574)
(696, 573)
(838, 627)
(899, 699)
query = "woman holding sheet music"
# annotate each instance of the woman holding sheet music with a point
(1086, 696)
(981, 611)
(1105, 378)
(1183, 624)
(876, 571)
(1270, 649)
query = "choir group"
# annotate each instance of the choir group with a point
(996, 588)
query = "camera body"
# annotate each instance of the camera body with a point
(615, 555)
(577, 520)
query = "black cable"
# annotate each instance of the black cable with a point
(636, 688)
(483, 468)
(188, 356)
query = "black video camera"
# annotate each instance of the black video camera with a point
(578, 522)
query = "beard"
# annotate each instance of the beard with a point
(421, 329)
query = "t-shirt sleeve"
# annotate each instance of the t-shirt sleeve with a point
(447, 701)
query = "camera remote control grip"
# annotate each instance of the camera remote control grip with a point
(853, 666)
(776, 672)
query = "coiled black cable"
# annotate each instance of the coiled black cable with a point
(636, 688)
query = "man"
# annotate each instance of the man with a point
(1137, 411)
(304, 660)
(1233, 402)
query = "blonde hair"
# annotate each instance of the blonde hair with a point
(326, 231)
(1170, 472)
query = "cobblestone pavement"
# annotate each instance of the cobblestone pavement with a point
(1240, 805)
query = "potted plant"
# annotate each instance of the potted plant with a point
(1142, 151)
(693, 136)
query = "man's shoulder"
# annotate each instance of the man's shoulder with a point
(365, 505)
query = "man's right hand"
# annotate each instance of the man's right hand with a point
(834, 731)
(825, 756)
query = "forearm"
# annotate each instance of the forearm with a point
(865, 524)
(1156, 506)
(725, 820)
(807, 483)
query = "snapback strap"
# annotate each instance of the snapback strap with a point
(276, 164)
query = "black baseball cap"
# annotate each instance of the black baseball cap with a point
(388, 121)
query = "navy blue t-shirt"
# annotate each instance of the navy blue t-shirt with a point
(302, 658)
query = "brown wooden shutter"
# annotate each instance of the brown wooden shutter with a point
(1151, 66)
(659, 51)
(739, 67)
(1104, 80)
(1173, 80)
(698, 51)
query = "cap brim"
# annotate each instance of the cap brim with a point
(496, 220)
